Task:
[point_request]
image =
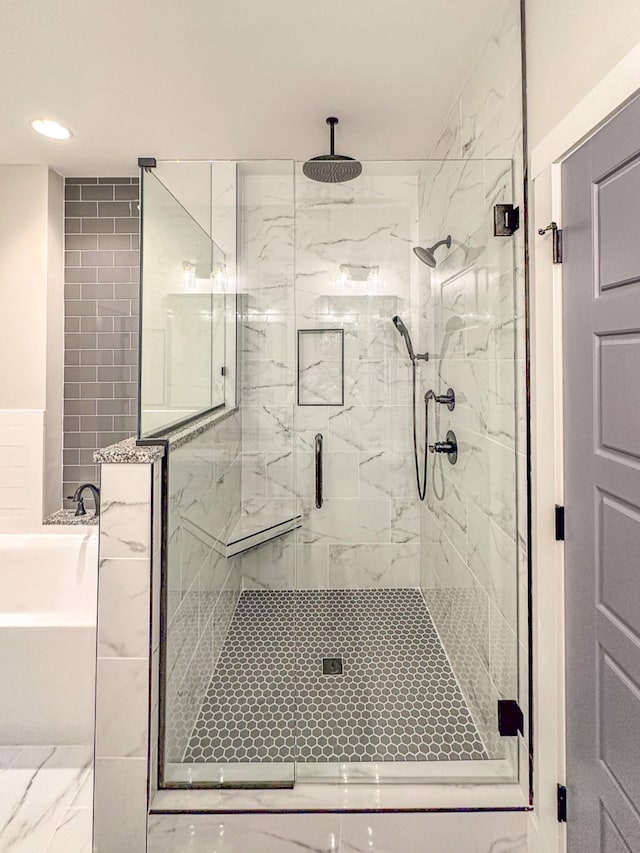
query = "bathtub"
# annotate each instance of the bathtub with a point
(47, 638)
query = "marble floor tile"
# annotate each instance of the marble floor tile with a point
(73, 833)
(35, 794)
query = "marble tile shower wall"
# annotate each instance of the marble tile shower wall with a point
(202, 585)
(367, 532)
(265, 282)
(473, 526)
(101, 320)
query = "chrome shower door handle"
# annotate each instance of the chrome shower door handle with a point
(319, 472)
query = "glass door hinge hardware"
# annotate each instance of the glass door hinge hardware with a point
(510, 718)
(559, 523)
(147, 162)
(562, 803)
(506, 220)
(556, 238)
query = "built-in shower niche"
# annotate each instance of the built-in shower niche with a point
(415, 599)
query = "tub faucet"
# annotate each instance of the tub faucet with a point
(77, 498)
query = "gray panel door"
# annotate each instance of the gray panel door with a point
(601, 274)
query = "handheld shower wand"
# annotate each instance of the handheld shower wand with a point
(414, 356)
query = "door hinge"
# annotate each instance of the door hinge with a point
(510, 718)
(562, 803)
(506, 220)
(556, 240)
(559, 523)
(223, 371)
(147, 162)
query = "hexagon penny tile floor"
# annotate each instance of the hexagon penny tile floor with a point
(277, 695)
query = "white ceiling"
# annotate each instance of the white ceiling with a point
(231, 79)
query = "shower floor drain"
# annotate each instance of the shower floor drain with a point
(332, 666)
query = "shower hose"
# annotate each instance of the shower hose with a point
(421, 481)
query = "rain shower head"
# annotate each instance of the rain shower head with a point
(400, 326)
(332, 168)
(427, 256)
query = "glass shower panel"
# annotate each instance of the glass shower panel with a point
(469, 524)
(229, 715)
(183, 314)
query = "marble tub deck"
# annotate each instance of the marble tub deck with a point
(45, 799)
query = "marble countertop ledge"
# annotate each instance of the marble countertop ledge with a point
(68, 517)
(128, 451)
(181, 435)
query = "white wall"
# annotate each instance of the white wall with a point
(571, 45)
(23, 286)
(31, 292)
(55, 348)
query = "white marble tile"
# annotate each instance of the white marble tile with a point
(494, 561)
(340, 474)
(268, 382)
(386, 474)
(279, 474)
(240, 833)
(214, 572)
(267, 428)
(485, 473)
(448, 143)
(122, 695)
(184, 633)
(194, 552)
(312, 566)
(84, 797)
(469, 381)
(373, 566)
(312, 418)
(121, 790)
(485, 94)
(125, 523)
(367, 383)
(268, 337)
(368, 428)
(405, 520)
(254, 475)
(8, 754)
(156, 522)
(271, 565)
(123, 608)
(35, 794)
(346, 520)
(446, 833)
(445, 496)
(73, 833)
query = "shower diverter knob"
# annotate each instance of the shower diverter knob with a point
(450, 447)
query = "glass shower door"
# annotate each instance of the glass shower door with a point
(406, 610)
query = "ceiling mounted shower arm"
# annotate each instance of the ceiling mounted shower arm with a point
(332, 121)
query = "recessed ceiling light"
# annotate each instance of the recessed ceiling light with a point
(52, 129)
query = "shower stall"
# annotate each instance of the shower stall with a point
(325, 617)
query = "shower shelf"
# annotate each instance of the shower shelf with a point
(252, 530)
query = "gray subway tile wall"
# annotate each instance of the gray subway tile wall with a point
(102, 267)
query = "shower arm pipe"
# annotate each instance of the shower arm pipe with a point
(332, 122)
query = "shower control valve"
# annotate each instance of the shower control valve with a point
(450, 447)
(448, 399)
